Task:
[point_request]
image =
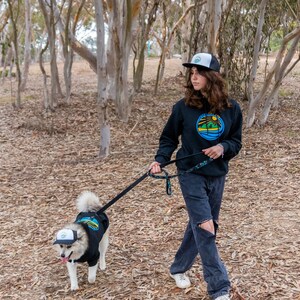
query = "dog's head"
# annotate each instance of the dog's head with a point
(71, 243)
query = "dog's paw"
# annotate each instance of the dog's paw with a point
(92, 279)
(74, 287)
(102, 265)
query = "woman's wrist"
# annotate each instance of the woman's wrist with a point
(222, 147)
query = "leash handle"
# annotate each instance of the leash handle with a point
(168, 177)
(162, 165)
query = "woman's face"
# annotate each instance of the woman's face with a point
(198, 81)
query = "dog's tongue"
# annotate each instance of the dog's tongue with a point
(64, 259)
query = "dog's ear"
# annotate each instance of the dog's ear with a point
(80, 234)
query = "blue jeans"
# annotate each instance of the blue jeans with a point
(203, 197)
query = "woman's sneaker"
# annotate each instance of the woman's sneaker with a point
(182, 280)
(223, 297)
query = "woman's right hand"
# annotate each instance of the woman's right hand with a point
(155, 167)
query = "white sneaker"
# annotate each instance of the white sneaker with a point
(182, 280)
(223, 297)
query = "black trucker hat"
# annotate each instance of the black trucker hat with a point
(205, 61)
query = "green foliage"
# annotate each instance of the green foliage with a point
(6, 73)
(279, 20)
(237, 37)
(275, 40)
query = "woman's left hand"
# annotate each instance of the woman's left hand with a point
(214, 152)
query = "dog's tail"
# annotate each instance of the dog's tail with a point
(88, 202)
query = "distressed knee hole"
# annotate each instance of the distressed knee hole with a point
(208, 226)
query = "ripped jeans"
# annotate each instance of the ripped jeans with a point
(203, 197)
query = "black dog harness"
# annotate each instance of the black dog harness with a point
(95, 224)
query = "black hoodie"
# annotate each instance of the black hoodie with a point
(199, 130)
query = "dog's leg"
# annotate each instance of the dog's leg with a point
(72, 269)
(102, 249)
(92, 273)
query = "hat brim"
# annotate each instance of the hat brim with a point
(64, 242)
(190, 65)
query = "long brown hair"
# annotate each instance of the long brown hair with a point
(215, 92)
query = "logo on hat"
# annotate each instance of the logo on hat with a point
(197, 59)
(66, 236)
(63, 235)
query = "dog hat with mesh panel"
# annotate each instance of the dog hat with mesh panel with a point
(66, 237)
(205, 61)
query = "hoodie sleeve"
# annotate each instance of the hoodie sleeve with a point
(233, 143)
(169, 138)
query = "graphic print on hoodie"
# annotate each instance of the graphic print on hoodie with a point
(210, 126)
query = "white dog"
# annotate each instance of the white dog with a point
(85, 240)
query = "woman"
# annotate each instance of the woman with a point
(209, 123)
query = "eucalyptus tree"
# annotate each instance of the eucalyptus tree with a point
(268, 93)
(112, 61)
(79, 18)
(48, 8)
(236, 42)
(67, 20)
(7, 56)
(102, 82)
(214, 11)
(257, 46)
(27, 44)
(14, 10)
(122, 24)
(281, 63)
(187, 29)
(147, 17)
(68, 52)
(4, 17)
(165, 32)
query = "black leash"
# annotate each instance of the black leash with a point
(125, 191)
(167, 177)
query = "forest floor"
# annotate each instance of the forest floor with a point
(46, 160)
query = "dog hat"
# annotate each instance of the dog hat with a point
(66, 236)
(205, 61)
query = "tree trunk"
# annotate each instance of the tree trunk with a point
(165, 46)
(144, 35)
(270, 98)
(257, 44)
(79, 48)
(50, 24)
(68, 55)
(162, 43)
(7, 60)
(46, 103)
(261, 95)
(27, 48)
(123, 15)
(51, 39)
(185, 36)
(214, 10)
(276, 98)
(111, 63)
(17, 103)
(101, 80)
(138, 75)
